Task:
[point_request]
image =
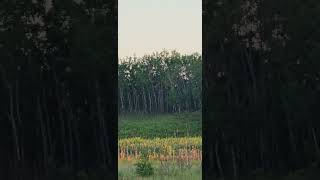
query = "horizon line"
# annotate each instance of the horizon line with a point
(170, 51)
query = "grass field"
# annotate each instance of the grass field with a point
(172, 141)
(164, 134)
(166, 171)
(169, 148)
(167, 125)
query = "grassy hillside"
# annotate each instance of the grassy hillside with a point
(164, 125)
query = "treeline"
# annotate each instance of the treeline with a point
(159, 83)
(58, 113)
(261, 87)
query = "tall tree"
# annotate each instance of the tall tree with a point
(160, 83)
(260, 86)
(58, 110)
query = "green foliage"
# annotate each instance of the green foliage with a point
(160, 138)
(167, 167)
(161, 82)
(162, 125)
(167, 171)
(144, 166)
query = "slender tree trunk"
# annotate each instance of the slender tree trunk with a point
(14, 125)
(150, 102)
(48, 127)
(262, 150)
(121, 100)
(17, 104)
(43, 134)
(105, 137)
(155, 100)
(134, 99)
(129, 101)
(62, 126)
(316, 145)
(159, 99)
(70, 131)
(77, 137)
(234, 163)
(101, 131)
(218, 160)
(251, 72)
(145, 109)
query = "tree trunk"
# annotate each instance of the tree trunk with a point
(13, 123)
(129, 102)
(150, 102)
(145, 107)
(316, 145)
(234, 163)
(43, 134)
(48, 127)
(105, 137)
(121, 100)
(218, 159)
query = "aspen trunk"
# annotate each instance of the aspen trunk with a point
(14, 125)
(218, 159)
(43, 133)
(234, 163)
(316, 144)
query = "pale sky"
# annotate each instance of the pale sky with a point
(147, 26)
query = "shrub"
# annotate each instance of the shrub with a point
(144, 167)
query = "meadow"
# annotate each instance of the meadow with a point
(172, 143)
(164, 125)
(169, 170)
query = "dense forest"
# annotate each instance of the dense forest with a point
(160, 83)
(261, 87)
(58, 89)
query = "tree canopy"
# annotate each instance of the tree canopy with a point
(160, 83)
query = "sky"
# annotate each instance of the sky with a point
(147, 26)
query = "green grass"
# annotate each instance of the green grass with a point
(165, 125)
(170, 172)
(160, 133)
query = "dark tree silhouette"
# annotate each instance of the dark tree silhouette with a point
(58, 88)
(261, 86)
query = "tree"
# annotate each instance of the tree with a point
(260, 86)
(160, 83)
(57, 67)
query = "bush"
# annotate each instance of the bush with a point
(144, 167)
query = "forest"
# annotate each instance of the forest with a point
(159, 103)
(58, 62)
(261, 83)
(59, 90)
(163, 82)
